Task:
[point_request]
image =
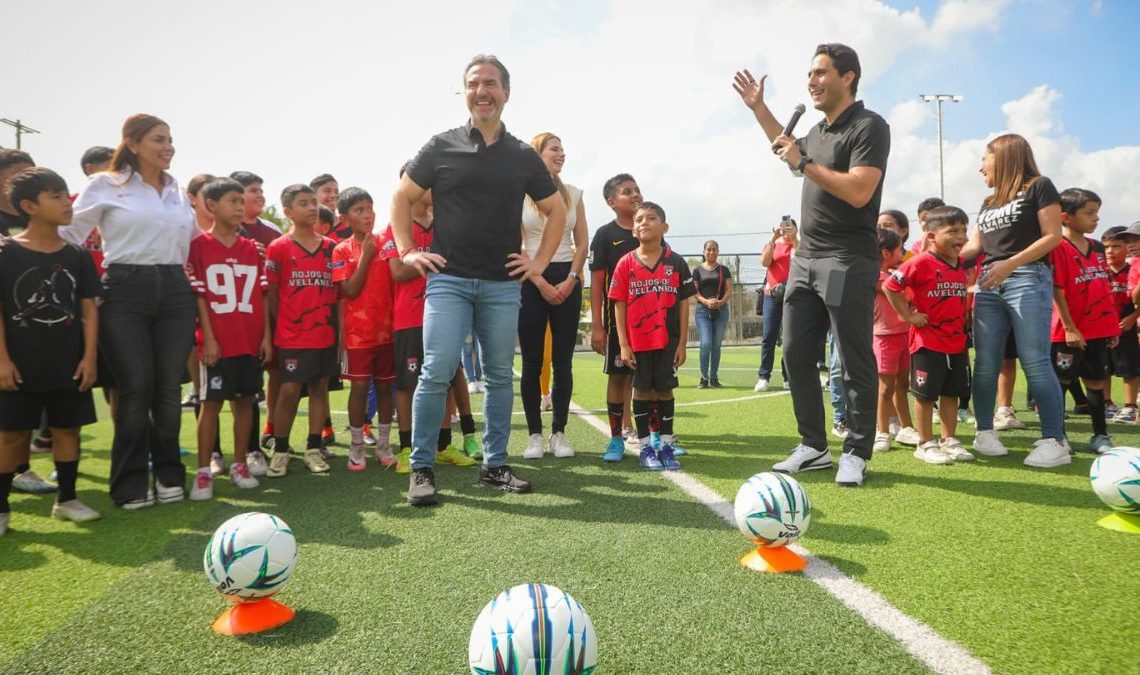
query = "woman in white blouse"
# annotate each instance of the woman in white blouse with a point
(146, 326)
(554, 299)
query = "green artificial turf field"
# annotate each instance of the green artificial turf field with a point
(1005, 560)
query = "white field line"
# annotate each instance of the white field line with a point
(938, 653)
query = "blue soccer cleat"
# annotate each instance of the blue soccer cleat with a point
(615, 451)
(649, 460)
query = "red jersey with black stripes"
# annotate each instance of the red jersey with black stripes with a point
(306, 297)
(938, 290)
(232, 281)
(1083, 279)
(652, 296)
(1121, 292)
(408, 303)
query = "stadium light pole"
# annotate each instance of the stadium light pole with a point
(937, 99)
(21, 129)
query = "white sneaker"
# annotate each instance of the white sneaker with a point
(882, 442)
(472, 387)
(1048, 453)
(217, 464)
(75, 511)
(256, 463)
(169, 495)
(546, 404)
(534, 449)
(559, 447)
(931, 453)
(987, 443)
(852, 470)
(907, 436)
(953, 448)
(1005, 419)
(761, 385)
(804, 458)
(241, 476)
(203, 487)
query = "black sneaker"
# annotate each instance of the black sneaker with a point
(703, 384)
(501, 477)
(421, 488)
(715, 383)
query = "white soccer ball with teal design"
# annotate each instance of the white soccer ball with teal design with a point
(772, 509)
(1115, 478)
(533, 629)
(251, 555)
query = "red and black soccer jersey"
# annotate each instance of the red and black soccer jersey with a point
(652, 296)
(1120, 288)
(306, 297)
(408, 306)
(1083, 278)
(368, 316)
(939, 291)
(232, 281)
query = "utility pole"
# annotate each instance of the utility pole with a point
(938, 99)
(21, 129)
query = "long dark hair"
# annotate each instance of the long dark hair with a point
(1014, 168)
(135, 128)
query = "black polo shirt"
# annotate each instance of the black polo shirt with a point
(830, 226)
(477, 196)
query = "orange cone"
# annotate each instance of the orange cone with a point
(254, 616)
(775, 559)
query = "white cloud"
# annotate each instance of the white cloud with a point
(1032, 114)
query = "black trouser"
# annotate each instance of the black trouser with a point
(838, 293)
(146, 328)
(534, 315)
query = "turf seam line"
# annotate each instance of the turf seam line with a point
(921, 641)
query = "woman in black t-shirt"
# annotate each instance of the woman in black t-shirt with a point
(714, 289)
(1018, 225)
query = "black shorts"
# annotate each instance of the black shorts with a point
(1125, 357)
(409, 346)
(1090, 363)
(655, 370)
(1010, 346)
(307, 365)
(232, 377)
(934, 374)
(65, 408)
(612, 364)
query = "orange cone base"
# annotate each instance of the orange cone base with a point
(1128, 523)
(253, 617)
(777, 559)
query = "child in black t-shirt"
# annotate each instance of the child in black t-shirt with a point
(649, 289)
(47, 338)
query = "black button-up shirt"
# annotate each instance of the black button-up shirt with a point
(832, 227)
(477, 196)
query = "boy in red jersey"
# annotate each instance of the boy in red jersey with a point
(891, 346)
(228, 276)
(366, 301)
(303, 299)
(1086, 318)
(939, 372)
(1125, 357)
(649, 289)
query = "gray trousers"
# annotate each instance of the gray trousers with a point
(838, 293)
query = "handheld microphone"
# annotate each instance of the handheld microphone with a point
(796, 114)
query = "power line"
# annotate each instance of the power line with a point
(21, 129)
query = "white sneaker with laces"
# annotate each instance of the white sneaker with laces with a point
(241, 476)
(203, 488)
(987, 443)
(954, 449)
(534, 449)
(256, 463)
(217, 464)
(1005, 419)
(804, 458)
(761, 385)
(882, 442)
(931, 453)
(907, 436)
(559, 447)
(75, 511)
(852, 470)
(1048, 453)
(169, 495)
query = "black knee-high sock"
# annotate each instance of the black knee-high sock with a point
(23, 468)
(444, 439)
(1096, 409)
(1078, 393)
(5, 490)
(641, 412)
(280, 444)
(405, 439)
(613, 409)
(467, 424)
(312, 441)
(665, 412)
(66, 473)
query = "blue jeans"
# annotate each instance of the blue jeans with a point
(773, 318)
(1023, 303)
(471, 366)
(711, 333)
(835, 382)
(453, 306)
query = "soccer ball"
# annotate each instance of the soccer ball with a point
(772, 509)
(533, 629)
(1115, 478)
(251, 555)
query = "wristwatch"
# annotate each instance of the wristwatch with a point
(804, 161)
(574, 275)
